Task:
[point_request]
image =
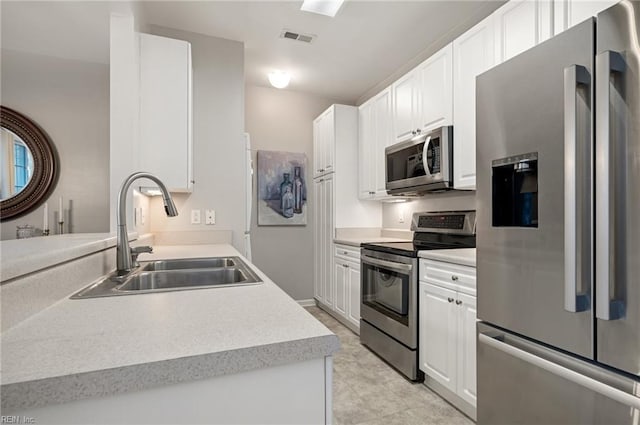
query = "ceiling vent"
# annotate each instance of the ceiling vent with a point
(291, 35)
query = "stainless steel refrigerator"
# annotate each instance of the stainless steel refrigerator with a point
(558, 228)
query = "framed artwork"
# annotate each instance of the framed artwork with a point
(282, 189)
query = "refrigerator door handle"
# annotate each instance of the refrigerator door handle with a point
(608, 63)
(577, 239)
(561, 371)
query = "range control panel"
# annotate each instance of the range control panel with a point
(456, 222)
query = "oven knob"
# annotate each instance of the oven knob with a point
(458, 302)
(418, 131)
(413, 132)
(454, 277)
(450, 300)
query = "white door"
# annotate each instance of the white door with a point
(436, 75)
(520, 25)
(466, 372)
(318, 240)
(405, 105)
(329, 141)
(328, 191)
(473, 53)
(568, 13)
(317, 147)
(366, 151)
(354, 293)
(383, 138)
(437, 339)
(340, 279)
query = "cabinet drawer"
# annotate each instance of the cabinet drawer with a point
(449, 275)
(347, 252)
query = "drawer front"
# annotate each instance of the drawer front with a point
(449, 275)
(347, 252)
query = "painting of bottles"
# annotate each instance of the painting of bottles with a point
(282, 190)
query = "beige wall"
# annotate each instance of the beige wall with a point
(69, 99)
(282, 120)
(218, 138)
(446, 201)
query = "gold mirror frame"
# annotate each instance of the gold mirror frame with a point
(45, 164)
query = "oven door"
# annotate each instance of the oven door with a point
(389, 295)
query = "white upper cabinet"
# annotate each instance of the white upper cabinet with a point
(568, 13)
(520, 25)
(436, 93)
(473, 54)
(422, 99)
(165, 146)
(324, 142)
(406, 107)
(375, 135)
(366, 150)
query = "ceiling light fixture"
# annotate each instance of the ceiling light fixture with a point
(279, 79)
(322, 7)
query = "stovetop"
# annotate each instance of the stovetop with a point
(433, 230)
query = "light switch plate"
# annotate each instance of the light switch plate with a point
(195, 217)
(210, 217)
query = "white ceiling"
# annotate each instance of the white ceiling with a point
(366, 43)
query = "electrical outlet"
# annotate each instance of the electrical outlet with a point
(195, 216)
(210, 217)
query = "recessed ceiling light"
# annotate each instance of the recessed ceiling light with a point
(322, 7)
(279, 79)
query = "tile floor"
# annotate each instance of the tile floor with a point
(366, 391)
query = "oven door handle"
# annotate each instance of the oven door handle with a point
(388, 264)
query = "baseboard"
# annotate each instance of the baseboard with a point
(339, 318)
(452, 398)
(307, 303)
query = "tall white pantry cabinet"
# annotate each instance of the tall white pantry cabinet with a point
(335, 194)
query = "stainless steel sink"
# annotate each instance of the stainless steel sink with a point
(174, 275)
(188, 263)
(183, 279)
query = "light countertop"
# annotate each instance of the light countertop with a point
(358, 241)
(100, 346)
(22, 256)
(462, 256)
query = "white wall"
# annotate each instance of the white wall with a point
(218, 138)
(446, 201)
(282, 120)
(69, 99)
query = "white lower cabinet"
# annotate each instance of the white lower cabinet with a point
(346, 290)
(447, 331)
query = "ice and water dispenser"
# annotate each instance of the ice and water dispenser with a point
(515, 191)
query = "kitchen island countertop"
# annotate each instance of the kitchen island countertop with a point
(96, 347)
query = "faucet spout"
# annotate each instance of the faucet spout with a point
(124, 261)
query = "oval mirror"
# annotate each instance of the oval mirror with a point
(28, 164)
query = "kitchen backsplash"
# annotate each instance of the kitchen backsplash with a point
(398, 215)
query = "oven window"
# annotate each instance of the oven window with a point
(405, 164)
(386, 291)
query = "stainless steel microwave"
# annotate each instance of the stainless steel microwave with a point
(423, 163)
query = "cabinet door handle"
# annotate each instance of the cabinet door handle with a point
(450, 299)
(458, 302)
(454, 277)
(345, 252)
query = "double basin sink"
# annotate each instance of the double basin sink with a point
(175, 275)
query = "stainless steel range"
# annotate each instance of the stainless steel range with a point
(389, 286)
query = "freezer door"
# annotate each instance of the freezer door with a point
(618, 187)
(520, 382)
(534, 192)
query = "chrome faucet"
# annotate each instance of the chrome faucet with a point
(126, 258)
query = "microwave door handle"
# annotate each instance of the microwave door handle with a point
(425, 148)
(577, 250)
(388, 264)
(608, 63)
